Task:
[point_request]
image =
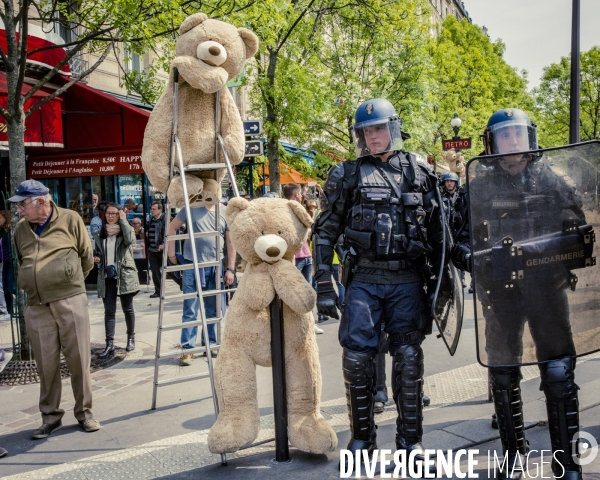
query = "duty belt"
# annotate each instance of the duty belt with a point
(383, 265)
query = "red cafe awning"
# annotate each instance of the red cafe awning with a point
(44, 60)
(94, 119)
(103, 136)
(43, 128)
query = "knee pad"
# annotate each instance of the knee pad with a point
(408, 361)
(505, 378)
(558, 378)
(358, 367)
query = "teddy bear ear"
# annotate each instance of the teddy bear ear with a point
(300, 212)
(251, 41)
(191, 22)
(234, 207)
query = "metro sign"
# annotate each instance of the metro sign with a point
(252, 127)
(456, 143)
(254, 148)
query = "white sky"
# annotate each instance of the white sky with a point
(536, 32)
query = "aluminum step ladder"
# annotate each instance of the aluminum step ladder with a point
(177, 167)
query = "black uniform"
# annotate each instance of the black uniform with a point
(389, 215)
(530, 204)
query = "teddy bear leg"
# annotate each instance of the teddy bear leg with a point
(210, 194)
(239, 419)
(175, 192)
(307, 429)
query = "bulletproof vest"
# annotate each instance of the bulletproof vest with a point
(451, 209)
(381, 224)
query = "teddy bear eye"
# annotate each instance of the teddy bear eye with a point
(262, 233)
(279, 232)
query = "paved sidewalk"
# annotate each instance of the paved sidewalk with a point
(170, 442)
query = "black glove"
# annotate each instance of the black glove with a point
(461, 257)
(327, 299)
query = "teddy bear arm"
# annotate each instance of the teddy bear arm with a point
(232, 128)
(292, 287)
(257, 290)
(155, 150)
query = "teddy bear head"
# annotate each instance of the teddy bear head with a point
(210, 52)
(455, 161)
(267, 229)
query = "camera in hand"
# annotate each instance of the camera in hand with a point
(110, 271)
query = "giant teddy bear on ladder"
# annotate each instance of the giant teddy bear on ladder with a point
(208, 54)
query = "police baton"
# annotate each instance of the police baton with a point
(282, 452)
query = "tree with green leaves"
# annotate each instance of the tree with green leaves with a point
(470, 77)
(375, 50)
(552, 100)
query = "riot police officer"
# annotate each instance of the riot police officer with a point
(514, 198)
(385, 204)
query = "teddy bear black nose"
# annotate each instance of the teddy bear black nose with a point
(216, 51)
(272, 251)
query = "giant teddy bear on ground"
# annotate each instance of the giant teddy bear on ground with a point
(208, 54)
(267, 233)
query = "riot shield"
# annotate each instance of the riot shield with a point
(533, 218)
(448, 298)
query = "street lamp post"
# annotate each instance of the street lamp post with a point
(456, 123)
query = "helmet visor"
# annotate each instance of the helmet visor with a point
(373, 138)
(510, 137)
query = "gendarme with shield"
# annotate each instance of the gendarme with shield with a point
(533, 214)
(385, 205)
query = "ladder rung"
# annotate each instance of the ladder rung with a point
(186, 236)
(197, 167)
(187, 351)
(175, 326)
(207, 293)
(190, 266)
(187, 378)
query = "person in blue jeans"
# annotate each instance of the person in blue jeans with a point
(203, 220)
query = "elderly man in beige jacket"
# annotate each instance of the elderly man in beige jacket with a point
(55, 255)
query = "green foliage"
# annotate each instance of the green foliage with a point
(552, 100)
(467, 76)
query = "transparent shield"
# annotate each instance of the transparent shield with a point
(449, 306)
(533, 218)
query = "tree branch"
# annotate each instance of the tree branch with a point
(66, 86)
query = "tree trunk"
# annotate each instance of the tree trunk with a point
(273, 130)
(16, 142)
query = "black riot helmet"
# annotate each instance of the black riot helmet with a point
(509, 130)
(376, 115)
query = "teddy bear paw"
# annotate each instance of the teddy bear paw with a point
(229, 434)
(312, 434)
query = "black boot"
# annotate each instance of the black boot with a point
(562, 404)
(130, 343)
(506, 390)
(110, 348)
(359, 373)
(407, 385)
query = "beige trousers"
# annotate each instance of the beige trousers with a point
(64, 323)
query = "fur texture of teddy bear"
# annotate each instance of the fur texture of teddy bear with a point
(455, 161)
(267, 233)
(208, 54)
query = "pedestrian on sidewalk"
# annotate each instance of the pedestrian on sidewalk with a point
(293, 191)
(156, 236)
(203, 220)
(55, 255)
(96, 223)
(8, 283)
(118, 275)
